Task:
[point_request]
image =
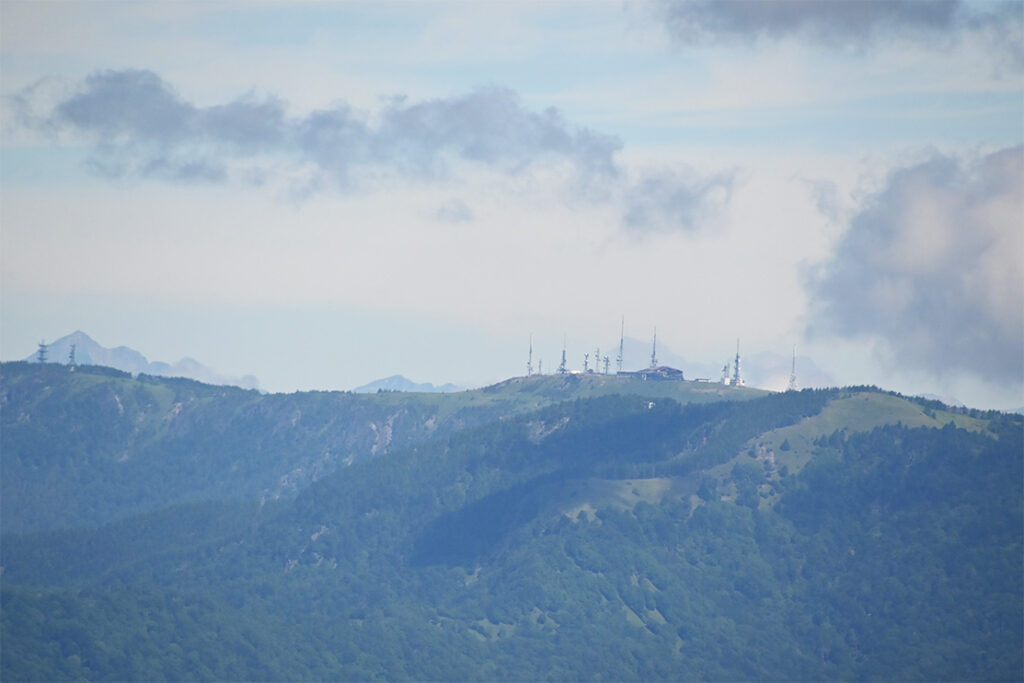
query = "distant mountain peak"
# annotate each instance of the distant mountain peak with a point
(400, 383)
(89, 352)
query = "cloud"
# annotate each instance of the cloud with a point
(131, 106)
(673, 200)
(932, 265)
(139, 126)
(825, 194)
(143, 127)
(489, 126)
(454, 211)
(844, 23)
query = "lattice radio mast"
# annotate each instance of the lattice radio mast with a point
(792, 373)
(654, 349)
(622, 342)
(737, 381)
(41, 353)
(529, 360)
(561, 366)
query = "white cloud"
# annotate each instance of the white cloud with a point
(932, 266)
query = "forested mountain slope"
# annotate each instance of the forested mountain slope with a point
(843, 534)
(91, 444)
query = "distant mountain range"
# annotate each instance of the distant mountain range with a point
(400, 383)
(90, 352)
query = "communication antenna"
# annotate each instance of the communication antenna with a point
(792, 373)
(41, 353)
(71, 356)
(606, 361)
(725, 374)
(654, 349)
(622, 341)
(561, 366)
(586, 362)
(597, 360)
(737, 381)
(540, 366)
(529, 361)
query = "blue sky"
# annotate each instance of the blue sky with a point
(321, 194)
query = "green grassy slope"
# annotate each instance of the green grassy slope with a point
(788, 449)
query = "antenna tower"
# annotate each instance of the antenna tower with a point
(586, 362)
(725, 374)
(71, 356)
(540, 366)
(561, 366)
(597, 360)
(622, 341)
(737, 381)
(654, 349)
(529, 360)
(41, 353)
(792, 373)
(607, 361)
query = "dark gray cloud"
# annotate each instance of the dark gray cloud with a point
(674, 200)
(143, 127)
(248, 124)
(932, 265)
(489, 126)
(842, 23)
(825, 20)
(128, 106)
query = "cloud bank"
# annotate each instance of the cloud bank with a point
(849, 23)
(140, 127)
(932, 265)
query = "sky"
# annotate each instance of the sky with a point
(322, 194)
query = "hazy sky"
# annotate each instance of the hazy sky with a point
(322, 194)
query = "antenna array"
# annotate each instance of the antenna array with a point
(792, 373)
(529, 360)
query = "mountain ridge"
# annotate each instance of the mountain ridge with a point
(211, 440)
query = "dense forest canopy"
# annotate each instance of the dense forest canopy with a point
(552, 530)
